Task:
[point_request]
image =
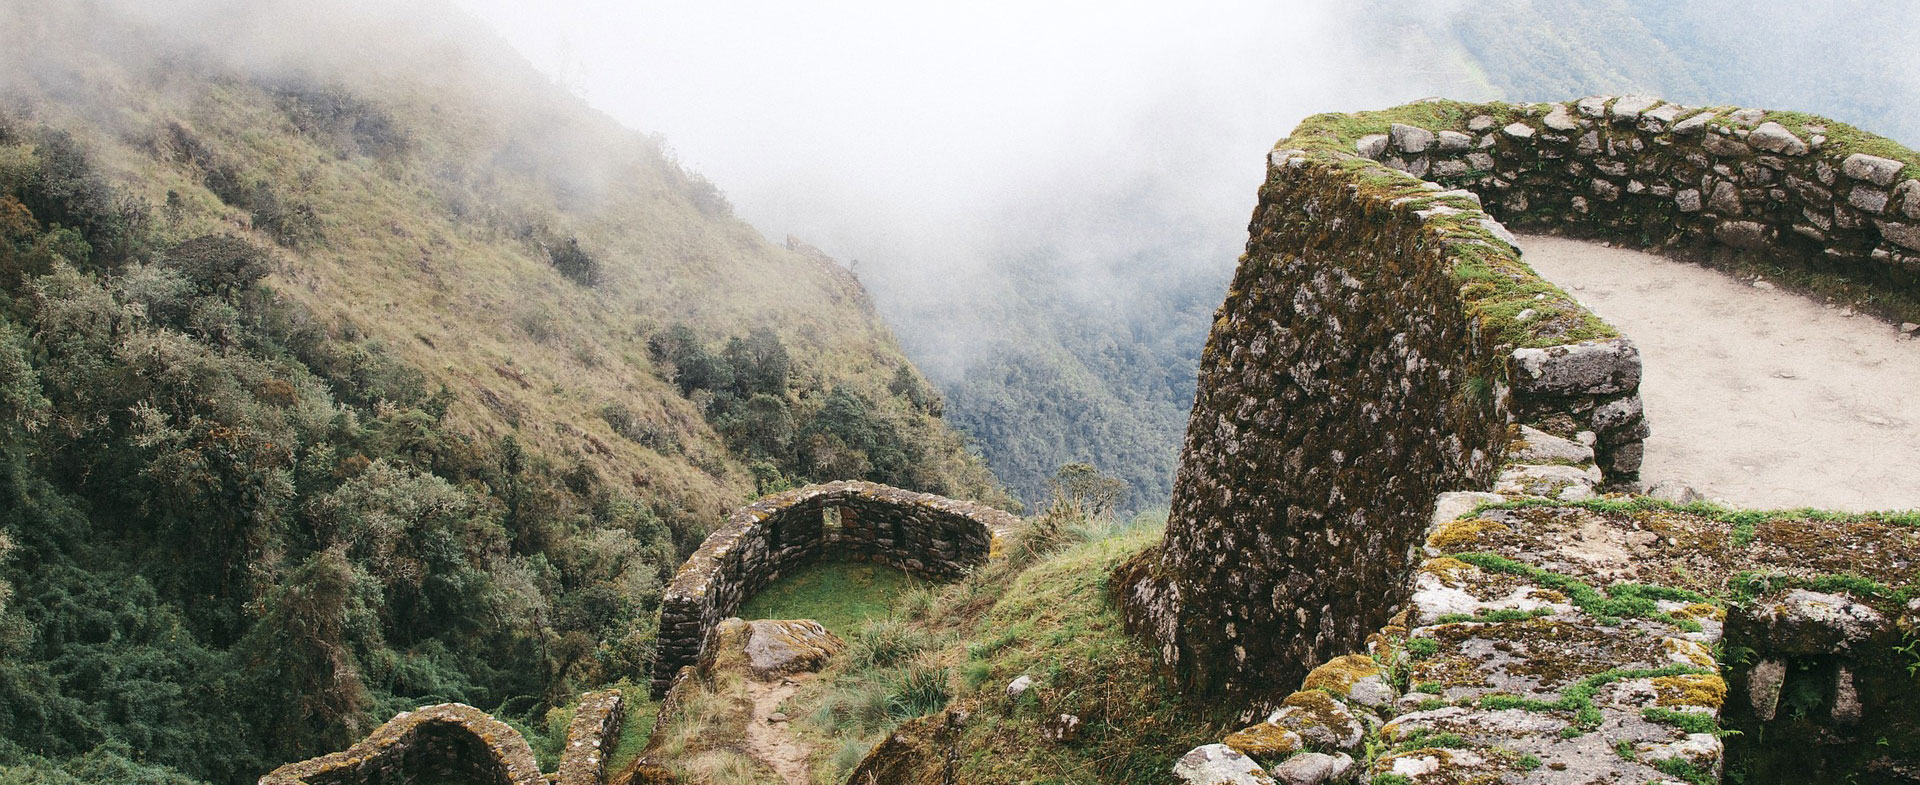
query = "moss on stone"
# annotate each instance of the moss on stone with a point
(1707, 690)
(1338, 675)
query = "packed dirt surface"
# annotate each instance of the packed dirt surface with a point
(1758, 397)
(771, 742)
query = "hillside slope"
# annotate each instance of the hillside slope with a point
(346, 363)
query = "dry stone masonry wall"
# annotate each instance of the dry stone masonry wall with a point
(1783, 187)
(930, 536)
(453, 742)
(1377, 337)
(1550, 634)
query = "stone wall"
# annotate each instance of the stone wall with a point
(1549, 641)
(931, 536)
(453, 742)
(1379, 335)
(1786, 188)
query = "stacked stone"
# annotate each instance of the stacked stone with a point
(1589, 391)
(1515, 661)
(1674, 175)
(931, 536)
(448, 742)
(1343, 385)
(590, 739)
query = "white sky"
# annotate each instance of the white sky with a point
(849, 122)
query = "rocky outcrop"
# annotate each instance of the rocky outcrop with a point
(930, 536)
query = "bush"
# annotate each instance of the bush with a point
(919, 691)
(884, 643)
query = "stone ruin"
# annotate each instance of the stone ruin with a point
(452, 742)
(930, 536)
(1383, 360)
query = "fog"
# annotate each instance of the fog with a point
(930, 142)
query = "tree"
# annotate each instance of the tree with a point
(220, 264)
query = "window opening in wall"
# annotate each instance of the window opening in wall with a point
(830, 519)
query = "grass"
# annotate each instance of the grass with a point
(842, 596)
(1577, 698)
(1620, 600)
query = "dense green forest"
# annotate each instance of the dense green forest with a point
(321, 400)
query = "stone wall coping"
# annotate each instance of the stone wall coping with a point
(510, 751)
(694, 577)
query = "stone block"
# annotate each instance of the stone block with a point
(1872, 168)
(1587, 368)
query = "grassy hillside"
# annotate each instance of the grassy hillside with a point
(346, 364)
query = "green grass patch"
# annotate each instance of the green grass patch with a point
(1621, 600)
(1577, 698)
(1686, 721)
(842, 596)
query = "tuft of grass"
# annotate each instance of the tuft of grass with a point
(1577, 698)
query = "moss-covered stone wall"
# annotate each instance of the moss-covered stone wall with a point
(931, 536)
(453, 742)
(1345, 383)
(1725, 183)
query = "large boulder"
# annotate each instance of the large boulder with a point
(776, 648)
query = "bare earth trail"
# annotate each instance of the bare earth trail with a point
(1758, 398)
(772, 743)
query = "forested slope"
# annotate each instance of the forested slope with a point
(347, 365)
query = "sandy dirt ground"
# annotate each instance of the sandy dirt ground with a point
(1758, 398)
(772, 742)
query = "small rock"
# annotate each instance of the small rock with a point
(1693, 125)
(1759, 284)
(1454, 141)
(1904, 235)
(1872, 168)
(778, 716)
(1775, 138)
(1587, 368)
(1593, 106)
(1722, 146)
(1061, 729)
(1909, 327)
(1410, 139)
(1747, 117)
(1481, 122)
(1537, 446)
(1218, 764)
(1763, 688)
(1846, 698)
(1872, 200)
(1629, 108)
(1519, 131)
(1676, 492)
(1313, 768)
(1019, 687)
(1372, 146)
(1688, 201)
(1751, 235)
(1454, 504)
(1560, 119)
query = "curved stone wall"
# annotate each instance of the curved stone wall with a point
(448, 742)
(1789, 188)
(1379, 335)
(454, 742)
(930, 536)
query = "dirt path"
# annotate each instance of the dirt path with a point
(1758, 398)
(773, 743)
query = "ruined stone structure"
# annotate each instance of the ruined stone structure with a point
(1380, 335)
(930, 536)
(1356, 370)
(452, 742)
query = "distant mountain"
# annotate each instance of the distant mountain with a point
(347, 364)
